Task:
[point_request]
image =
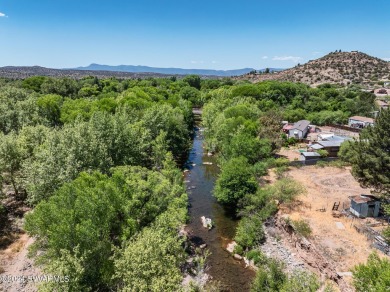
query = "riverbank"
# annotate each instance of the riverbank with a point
(200, 179)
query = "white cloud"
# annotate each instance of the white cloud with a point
(2, 14)
(197, 62)
(386, 59)
(214, 62)
(287, 58)
(264, 57)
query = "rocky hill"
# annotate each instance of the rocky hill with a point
(342, 68)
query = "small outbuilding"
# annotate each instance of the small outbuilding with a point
(360, 122)
(305, 156)
(365, 206)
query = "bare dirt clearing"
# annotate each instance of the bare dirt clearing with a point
(336, 237)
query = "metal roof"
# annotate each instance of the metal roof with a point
(363, 199)
(336, 143)
(310, 154)
(301, 125)
(316, 146)
(362, 119)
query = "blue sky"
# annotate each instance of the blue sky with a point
(189, 34)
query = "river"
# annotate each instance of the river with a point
(201, 178)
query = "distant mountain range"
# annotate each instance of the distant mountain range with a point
(170, 71)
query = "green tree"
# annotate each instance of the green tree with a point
(235, 181)
(150, 262)
(11, 158)
(372, 276)
(193, 81)
(50, 108)
(370, 156)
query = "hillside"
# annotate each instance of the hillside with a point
(21, 72)
(337, 68)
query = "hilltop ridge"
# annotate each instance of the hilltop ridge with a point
(342, 68)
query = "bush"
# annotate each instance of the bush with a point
(286, 190)
(386, 234)
(280, 171)
(301, 281)
(302, 228)
(323, 153)
(321, 164)
(250, 232)
(260, 169)
(238, 249)
(270, 277)
(282, 162)
(256, 256)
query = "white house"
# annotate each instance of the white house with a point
(299, 130)
(360, 122)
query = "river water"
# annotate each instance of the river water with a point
(201, 178)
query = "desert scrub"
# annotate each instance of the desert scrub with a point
(302, 228)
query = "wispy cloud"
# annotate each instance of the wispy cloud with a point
(214, 62)
(197, 62)
(287, 58)
(264, 57)
(2, 14)
(386, 59)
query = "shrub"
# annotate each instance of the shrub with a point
(302, 228)
(282, 162)
(238, 249)
(260, 169)
(386, 234)
(250, 232)
(280, 171)
(301, 281)
(270, 277)
(321, 164)
(256, 256)
(323, 153)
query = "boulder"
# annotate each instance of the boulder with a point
(206, 222)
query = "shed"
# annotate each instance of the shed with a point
(309, 156)
(365, 206)
(299, 130)
(333, 147)
(360, 122)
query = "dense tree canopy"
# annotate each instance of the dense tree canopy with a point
(370, 155)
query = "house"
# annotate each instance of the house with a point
(365, 206)
(299, 130)
(360, 122)
(309, 156)
(382, 104)
(332, 147)
(287, 127)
